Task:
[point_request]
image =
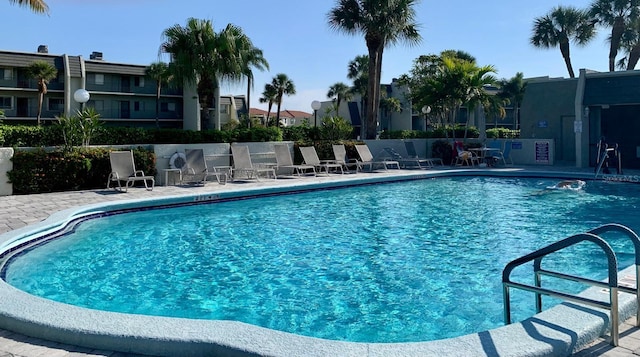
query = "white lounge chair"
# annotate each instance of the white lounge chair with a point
(285, 161)
(242, 164)
(340, 154)
(408, 162)
(310, 157)
(413, 154)
(123, 170)
(366, 159)
(195, 170)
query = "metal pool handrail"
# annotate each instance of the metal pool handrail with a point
(612, 283)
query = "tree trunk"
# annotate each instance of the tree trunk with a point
(564, 49)
(158, 88)
(373, 91)
(634, 55)
(616, 35)
(216, 112)
(268, 113)
(279, 102)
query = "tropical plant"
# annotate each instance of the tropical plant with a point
(617, 14)
(80, 128)
(562, 25)
(42, 72)
(335, 128)
(283, 86)
(512, 90)
(269, 95)
(37, 6)
(339, 92)
(158, 71)
(204, 58)
(383, 23)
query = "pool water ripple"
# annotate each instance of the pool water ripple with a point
(411, 261)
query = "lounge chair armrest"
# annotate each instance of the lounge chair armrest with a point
(139, 173)
(328, 161)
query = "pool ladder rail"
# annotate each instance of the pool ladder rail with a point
(611, 283)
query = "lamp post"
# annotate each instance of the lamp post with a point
(315, 105)
(81, 96)
(426, 110)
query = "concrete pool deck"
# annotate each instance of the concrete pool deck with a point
(17, 212)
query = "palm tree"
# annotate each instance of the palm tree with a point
(283, 86)
(253, 57)
(268, 96)
(37, 6)
(513, 91)
(159, 71)
(339, 92)
(358, 72)
(383, 23)
(203, 57)
(561, 26)
(43, 72)
(616, 14)
(630, 44)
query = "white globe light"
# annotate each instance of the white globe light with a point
(315, 105)
(426, 109)
(81, 96)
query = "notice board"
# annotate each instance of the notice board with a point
(542, 152)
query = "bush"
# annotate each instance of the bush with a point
(442, 149)
(40, 171)
(502, 133)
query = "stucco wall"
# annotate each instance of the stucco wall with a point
(6, 189)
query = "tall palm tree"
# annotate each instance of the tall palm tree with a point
(358, 72)
(616, 14)
(283, 86)
(43, 72)
(37, 6)
(561, 26)
(159, 71)
(513, 90)
(203, 57)
(383, 23)
(339, 92)
(269, 95)
(252, 57)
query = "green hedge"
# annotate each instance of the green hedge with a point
(51, 135)
(41, 171)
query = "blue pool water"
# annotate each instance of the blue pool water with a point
(409, 261)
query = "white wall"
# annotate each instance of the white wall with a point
(6, 189)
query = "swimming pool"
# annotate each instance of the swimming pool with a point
(473, 214)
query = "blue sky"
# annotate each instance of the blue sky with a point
(296, 39)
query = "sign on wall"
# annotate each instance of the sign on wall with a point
(542, 152)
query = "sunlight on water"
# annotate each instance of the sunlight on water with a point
(410, 261)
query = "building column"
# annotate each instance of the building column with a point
(581, 122)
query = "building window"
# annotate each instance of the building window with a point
(138, 106)
(6, 73)
(99, 78)
(96, 104)
(224, 108)
(138, 81)
(167, 107)
(56, 104)
(6, 102)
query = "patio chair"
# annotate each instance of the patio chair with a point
(366, 159)
(195, 170)
(310, 157)
(123, 170)
(340, 155)
(504, 155)
(242, 164)
(464, 157)
(411, 153)
(285, 161)
(406, 162)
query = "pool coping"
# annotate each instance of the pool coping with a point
(558, 331)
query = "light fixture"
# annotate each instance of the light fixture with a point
(315, 105)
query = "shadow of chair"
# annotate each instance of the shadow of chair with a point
(123, 170)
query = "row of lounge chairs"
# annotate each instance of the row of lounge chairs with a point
(192, 165)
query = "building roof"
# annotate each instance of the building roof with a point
(295, 114)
